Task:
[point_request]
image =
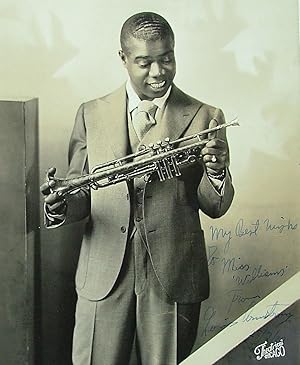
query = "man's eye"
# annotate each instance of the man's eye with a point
(143, 64)
(166, 60)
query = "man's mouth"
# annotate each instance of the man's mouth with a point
(158, 85)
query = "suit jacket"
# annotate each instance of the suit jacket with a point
(170, 209)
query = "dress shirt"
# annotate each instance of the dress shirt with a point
(133, 101)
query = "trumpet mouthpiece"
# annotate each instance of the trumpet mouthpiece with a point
(234, 122)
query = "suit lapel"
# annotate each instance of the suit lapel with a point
(179, 112)
(115, 122)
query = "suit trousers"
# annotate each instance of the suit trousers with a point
(136, 312)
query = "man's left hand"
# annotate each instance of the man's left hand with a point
(215, 152)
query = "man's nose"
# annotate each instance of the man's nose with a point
(156, 70)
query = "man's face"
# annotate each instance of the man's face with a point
(151, 66)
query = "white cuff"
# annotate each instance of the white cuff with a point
(52, 220)
(218, 184)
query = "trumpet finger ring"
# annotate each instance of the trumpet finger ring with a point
(214, 159)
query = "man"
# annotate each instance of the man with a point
(142, 271)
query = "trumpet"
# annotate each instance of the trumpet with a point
(161, 157)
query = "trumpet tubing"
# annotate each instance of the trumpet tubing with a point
(161, 157)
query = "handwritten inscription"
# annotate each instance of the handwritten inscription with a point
(259, 272)
(236, 296)
(270, 311)
(210, 326)
(243, 273)
(233, 264)
(246, 272)
(220, 234)
(243, 229)
(270, 226)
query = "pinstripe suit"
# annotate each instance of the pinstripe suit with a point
(170, 210)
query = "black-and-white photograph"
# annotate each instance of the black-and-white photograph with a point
(150, 168)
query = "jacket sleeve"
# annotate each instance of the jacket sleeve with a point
(212, 201)
(78, 204)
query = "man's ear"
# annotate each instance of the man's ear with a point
(123, 57)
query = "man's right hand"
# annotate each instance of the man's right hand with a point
(55, 204)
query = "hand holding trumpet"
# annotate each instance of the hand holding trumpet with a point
(162, 158)
(55, 203)
(215, 152)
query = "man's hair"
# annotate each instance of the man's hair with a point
(145, 26)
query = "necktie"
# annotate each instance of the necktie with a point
(144, 118)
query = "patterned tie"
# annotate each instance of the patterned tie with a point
(144, 118)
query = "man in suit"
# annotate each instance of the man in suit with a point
(142, 272)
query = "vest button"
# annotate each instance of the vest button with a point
(148, 178)
(138, 219)
(123, 229)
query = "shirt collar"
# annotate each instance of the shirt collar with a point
(133, 98)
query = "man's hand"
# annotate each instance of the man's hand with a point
(215, 152)
(55, 203)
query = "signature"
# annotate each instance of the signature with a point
(208, 318)
(270, 311)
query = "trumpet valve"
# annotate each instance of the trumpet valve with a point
(155, 148)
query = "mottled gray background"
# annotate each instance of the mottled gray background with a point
(242, 56)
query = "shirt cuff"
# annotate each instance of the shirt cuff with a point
(218, 182)
(53, 220)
